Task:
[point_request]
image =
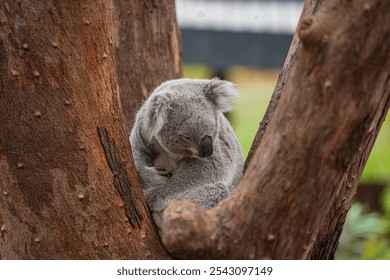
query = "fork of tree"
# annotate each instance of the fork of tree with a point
(61, 88)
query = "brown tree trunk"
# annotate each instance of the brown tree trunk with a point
(328, 237)
(329, 103)
(147, 49)
(68, 187)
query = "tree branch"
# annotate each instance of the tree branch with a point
(327, 107)
(328, 238)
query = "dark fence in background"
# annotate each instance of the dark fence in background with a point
(221, 33)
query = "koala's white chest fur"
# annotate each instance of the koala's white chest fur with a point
(165, 160)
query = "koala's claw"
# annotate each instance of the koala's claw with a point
(158, 171)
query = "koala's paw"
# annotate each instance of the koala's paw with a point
(158, 171)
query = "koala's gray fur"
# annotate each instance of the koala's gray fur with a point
(171, 144)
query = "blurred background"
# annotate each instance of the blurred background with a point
(246, 42)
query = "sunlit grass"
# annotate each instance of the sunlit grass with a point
(378, 164)
(196, 71)
(252, 104)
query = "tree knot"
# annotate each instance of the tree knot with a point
(188, 231)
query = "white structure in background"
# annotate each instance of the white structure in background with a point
(249, 16)
(221, 33)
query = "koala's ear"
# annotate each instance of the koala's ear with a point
(156, 114)
(222, 94)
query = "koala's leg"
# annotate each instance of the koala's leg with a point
(207, 196)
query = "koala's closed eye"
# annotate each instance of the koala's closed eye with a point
(185, 137)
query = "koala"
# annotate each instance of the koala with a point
(184, 147)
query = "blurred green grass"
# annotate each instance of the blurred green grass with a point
(378, 165)
(249, 110)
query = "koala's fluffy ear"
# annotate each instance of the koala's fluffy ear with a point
(222, 94)
(156, 114)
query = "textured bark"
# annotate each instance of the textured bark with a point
(329, 103)
(328, 238)
(147, 49)
(68, 187)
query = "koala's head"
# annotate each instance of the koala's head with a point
(183, 115)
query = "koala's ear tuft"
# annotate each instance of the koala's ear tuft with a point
(156, 114)
(222, 94)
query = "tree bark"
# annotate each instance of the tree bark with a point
(328, 238)
(68, 186)
(329, 103)
(147, 50)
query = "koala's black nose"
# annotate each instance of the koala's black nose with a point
(206, 146)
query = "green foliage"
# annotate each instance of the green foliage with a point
(365, 235)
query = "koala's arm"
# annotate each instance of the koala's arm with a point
(151, 177)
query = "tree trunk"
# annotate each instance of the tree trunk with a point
(147, 50)
(328, 237)
(68, 187)
(339, 82)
